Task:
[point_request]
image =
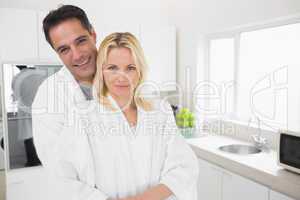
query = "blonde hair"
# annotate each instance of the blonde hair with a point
(120, 40)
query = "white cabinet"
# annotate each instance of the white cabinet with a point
(236, 187)
(103, 30)
(30, 183)
(278, 196)
(159, 45)
(23, 184)
(18, 35)
(216, 183)
(46, 53)
(22, 37)
(209, 182)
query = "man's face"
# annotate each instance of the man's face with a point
(76, 48)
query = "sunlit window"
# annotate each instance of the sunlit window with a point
(221, 62)
(267, 75)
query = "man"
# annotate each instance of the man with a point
(72, 36)
(69, 32)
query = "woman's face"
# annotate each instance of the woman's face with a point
(120, 73)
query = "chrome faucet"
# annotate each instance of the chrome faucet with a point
(259, 141)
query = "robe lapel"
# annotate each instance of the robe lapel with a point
(128, 131)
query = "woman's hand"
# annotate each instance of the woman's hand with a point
(159, 192)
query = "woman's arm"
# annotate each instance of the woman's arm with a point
(180, 168)
(159, 192)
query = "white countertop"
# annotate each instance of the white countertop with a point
(261, 167)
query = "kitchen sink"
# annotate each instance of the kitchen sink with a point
(240, 149)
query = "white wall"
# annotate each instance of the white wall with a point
(118, 11)
(193, 18)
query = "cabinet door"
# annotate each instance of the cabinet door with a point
(18, 35)
(236, 188)
(17, 188)
(210, 183)
(46, 53)
(159, 45)
(103, 30)
(30, 183)
(278, 196)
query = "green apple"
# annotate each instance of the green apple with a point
(179, 123)
(185, 115)
(185, 118)
(191, 116)
(184, 110)
(179, 117)
(185, 123)
(191, 124)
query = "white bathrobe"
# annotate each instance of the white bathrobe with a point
(52, 111)
(101, 157)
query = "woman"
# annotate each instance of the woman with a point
(130, 149)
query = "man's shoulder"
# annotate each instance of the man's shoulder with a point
(61, 76)
(49, 85)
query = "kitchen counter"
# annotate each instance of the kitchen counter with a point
(261, 167)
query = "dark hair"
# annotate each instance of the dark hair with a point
(64, 13)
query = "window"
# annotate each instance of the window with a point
(264, 65)
(221, 62)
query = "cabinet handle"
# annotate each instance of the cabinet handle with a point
(17, 182)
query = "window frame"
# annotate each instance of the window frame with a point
(235, 33)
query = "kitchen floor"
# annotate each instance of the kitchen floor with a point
(2, 185)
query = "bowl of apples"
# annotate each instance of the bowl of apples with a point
(185, 121)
